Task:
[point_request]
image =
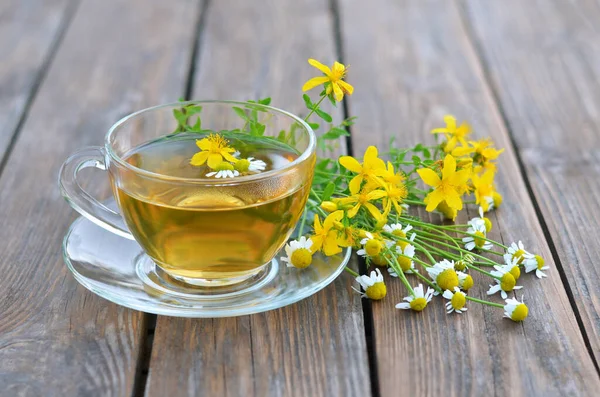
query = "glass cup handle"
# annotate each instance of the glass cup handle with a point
(81, 200)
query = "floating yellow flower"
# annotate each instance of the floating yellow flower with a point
(326, 236)
(370, 168)
(213, 149)
(333, 80)
(453, 133)
(447, 188)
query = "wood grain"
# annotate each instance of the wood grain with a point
(547, 78)
(315, 347)
(412, 62)
(28, 31)
(56, 338)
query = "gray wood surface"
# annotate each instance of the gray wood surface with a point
(29, 32)
(409, 69)
(56, 338)
(317, 346)
(547, 78)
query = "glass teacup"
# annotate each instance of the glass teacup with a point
(199, 227)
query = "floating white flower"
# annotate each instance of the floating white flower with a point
(256, 165)
(505, 284)
(515, 310)
(223, 174)
(418, 301)
(298, 253)
(536, 263)
(458, 300)
(373, 285)
(478, 238)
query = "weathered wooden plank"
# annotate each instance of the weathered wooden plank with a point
(412, 62)
(315, 347)
(546, 76)
(56, 338)
(28, 31)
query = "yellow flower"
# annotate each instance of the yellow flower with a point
(484, 189)
(333, 80)
(370, 168)
(363, 199)
(213, 149)
(453, 133)
(326, 235)
(447, 188)
(482, 150)
(394, 195)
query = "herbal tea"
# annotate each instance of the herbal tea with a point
(213, 231)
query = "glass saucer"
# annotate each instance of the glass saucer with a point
(117, 269)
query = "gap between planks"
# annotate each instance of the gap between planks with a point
(484, 69)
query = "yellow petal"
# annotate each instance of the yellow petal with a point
(450, 122)
(451, 144)
(370, 155)
(353, 211)
(320, 66)
(449, 167)
(453, 199)
(350, 163)
(337, 92)
(317, 243)
(330, 246)
(314, 82)
(433, 199)
(491, 153)
(374, 211)
(203, 144)
(228, 156)
(462, 151)
(460, 178)
(214, 160)
(332, 218)
(429, 177)
(376, 194)
(355, 183)
(317, 224)
(199, 158)
(338, 68)
(347, 88)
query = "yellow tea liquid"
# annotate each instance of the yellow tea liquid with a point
(211, 232)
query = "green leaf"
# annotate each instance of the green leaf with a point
(334, 133)
(314, 126)
(426, 153)
(240, 112)
(180, 116)
(329, 189)
(307, 102)
(350, 121)
(324, 115)
(416, 160)
(190, 110)
(265, 101)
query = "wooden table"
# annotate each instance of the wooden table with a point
(526, 73)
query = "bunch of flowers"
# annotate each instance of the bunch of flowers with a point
(363, 203)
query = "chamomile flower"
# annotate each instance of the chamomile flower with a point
(250, 165)
(536, 263)
(373, 285)
(371, 246)
(397, 230)
(515, 310)
(482, 219)
(444, 274)
(418, 301)
(465, 281)
(506, 282)
(478, 238)
(298, 253)
(406, 263)
(458, 300)
(223, 170)
(517, 250)
(512, 267)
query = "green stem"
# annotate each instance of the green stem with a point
(315, 107)
(483, 271)
(400, 274)
(352, 272)
(484, 302)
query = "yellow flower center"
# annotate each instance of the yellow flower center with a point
(519, 255)
(376, 291)
(418, 304)
(467, 283)
(242, 165)
(401, 234)
(497, 197)
(460, 265)
(301, 258)
(520, 313)
(488, 224)
(224, 165)
(380, 260)
(217, 142)
(540, 262)
(405, 263)
(507, 282)
(458, 301)
(516, 272)
(479, 239)
(373, 247)
(448, 279)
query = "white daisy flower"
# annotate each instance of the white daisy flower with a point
(418, 301)
(512, 267)
(481, 220)
(515, 310)
(517, 250)
(397, 226)
(223, 174)
(477, 229)
(256, 165)
(406, 263)
(444, 275)
(457, 300)
(373, 285)
(505, 284)
(490, 202)
(371, 246)
(465, 281)
(298, 253)
(536, 263)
